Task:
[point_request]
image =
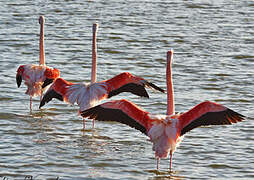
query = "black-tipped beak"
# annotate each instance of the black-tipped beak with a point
(18, 80)
(47, 82)
(153, 86)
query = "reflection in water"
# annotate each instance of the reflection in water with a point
(165, 175)
(92, 145)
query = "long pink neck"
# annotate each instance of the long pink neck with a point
(42, 54)
(170, 89)
(94, 54)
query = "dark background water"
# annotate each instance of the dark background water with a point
(213, 60)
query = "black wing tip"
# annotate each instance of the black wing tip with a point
(142, 92)
(133, 88)
(111, 94)
(153, 86)
(49, 96)
(228, 117)
(42, 103)
(88, 112)
(235, 116)
(47, 82)
(146, 95)
(117, 115)
(18, 80)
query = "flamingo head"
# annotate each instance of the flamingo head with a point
(19, 75)
(170, 55)
(41, 20)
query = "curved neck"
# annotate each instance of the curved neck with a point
(170, 89)
(42, 54)
(94, 54)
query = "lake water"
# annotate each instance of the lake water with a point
(213, 44)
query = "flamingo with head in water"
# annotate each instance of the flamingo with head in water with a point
(37, 77)
(88, 95)
(164, 131)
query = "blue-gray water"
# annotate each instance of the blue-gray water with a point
(213, 60)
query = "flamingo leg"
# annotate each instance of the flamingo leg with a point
(171, 154)
(31, 103)
(41, 95)
(84, 124)
(93, 123)
(158, 159)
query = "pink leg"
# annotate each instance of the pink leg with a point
(158, 159)
(170, 160)
(30, 103)
(93, 123)
(41, 95)
(84, 124)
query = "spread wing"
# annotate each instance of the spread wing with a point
(126, 82)
(208, 113)
(57, 90)
(122, 111)
(85, 95)
(134, 88)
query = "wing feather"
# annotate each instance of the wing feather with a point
(50, 94)
(126, 82)
(18, 80)
(153, 86)
(56, 90)
(122, 111)
(133, 88)
(208, 113)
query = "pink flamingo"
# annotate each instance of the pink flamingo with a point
(88, 95)
(164, 131)
(37, 77)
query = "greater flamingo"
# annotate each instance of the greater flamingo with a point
(164, 131)
(37, 77)
(88, 95)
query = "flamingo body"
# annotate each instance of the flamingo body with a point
(88, 95)
(34, 77)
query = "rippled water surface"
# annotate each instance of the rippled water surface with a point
(214, 60)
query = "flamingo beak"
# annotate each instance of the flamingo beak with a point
(18, 80)
(47, 82)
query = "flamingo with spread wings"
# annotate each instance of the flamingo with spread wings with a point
(37, 77)
(87, 95)
(164, 131)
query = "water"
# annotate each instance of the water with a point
(213, 44)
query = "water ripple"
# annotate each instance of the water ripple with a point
(213, 60)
